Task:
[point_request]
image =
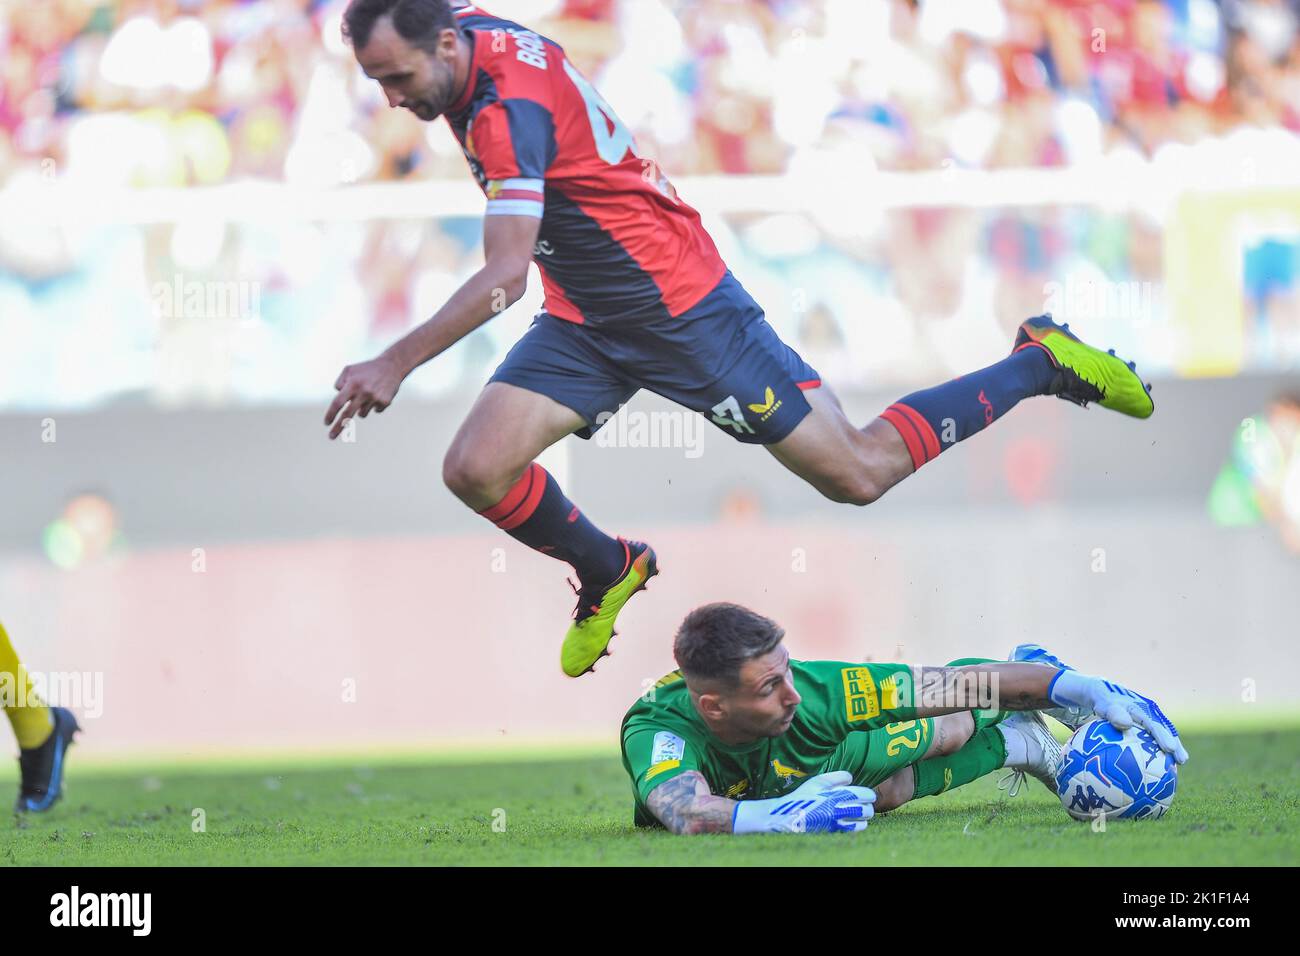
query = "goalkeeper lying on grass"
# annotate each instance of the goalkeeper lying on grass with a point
(744, 740)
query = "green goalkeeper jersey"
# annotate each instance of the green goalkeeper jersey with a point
(663, 736)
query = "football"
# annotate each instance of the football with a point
(1117, 774)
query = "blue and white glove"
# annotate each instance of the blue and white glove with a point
(1119, 706)
(824, 804)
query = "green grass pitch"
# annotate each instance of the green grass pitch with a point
(1238, 803)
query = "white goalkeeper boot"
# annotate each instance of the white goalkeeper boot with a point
(1031, 751)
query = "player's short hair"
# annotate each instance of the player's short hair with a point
(418, 22)
(716, 640)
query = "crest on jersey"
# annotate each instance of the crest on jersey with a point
(787, 775)
(667, 746)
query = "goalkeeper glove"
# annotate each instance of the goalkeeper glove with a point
(1119, 706)
(824, 804)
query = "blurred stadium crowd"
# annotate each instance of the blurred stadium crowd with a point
(141, 93)
(166, 92)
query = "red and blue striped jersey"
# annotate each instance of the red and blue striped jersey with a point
(615, 244)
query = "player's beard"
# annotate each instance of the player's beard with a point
(434, 103)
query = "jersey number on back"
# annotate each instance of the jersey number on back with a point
(611, 145)
(614, 144)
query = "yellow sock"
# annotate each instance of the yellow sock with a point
(30, 717)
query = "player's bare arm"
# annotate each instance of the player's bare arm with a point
(371, 386)
(508, 243)
(1025, 686)
(685, 804)
(946, 690)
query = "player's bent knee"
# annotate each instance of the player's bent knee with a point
(456, 475)
(853, 490)
(855, 481)
(478, 483)
(951, 733)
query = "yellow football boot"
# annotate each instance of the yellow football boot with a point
(593, 619)
(1086, 374)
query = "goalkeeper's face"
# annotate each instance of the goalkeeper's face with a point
(763, 702)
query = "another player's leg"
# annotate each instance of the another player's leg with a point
(490, 466)
(43, 733)
(845, 463)
(1020, 742)
(972, 744)
(883, 759)
(553, 383)
(989, 750)
(858, 465)
(1045, 359)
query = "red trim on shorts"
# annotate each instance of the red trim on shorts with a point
(811, 383)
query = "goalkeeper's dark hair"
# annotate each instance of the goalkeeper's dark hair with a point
(715, 641)
(418, 22)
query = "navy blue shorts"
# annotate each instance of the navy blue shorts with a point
(719, 358)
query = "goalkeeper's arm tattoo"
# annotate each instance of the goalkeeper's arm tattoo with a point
(685, 804)
(1013, 685)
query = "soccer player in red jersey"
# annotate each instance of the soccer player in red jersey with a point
(636, 297)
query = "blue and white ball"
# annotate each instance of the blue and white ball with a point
(1118, 774)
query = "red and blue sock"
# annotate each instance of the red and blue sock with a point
(535, 512)
(935, 419)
